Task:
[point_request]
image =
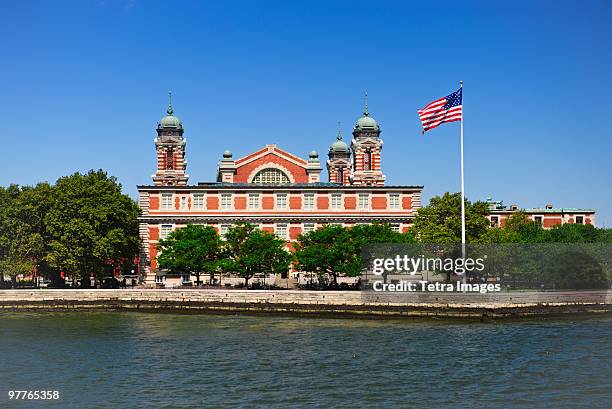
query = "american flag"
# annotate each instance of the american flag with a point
(447, 109)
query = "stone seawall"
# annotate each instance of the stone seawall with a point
(334, 303)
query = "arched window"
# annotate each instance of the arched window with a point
(271, 176)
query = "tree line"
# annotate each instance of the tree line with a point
(81, 228)
(331, 251)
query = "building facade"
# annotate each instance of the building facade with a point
(548, 216)
(273, 189)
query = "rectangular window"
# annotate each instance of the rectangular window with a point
(165, 231)
(281, 200)
(226, 201)
(282, 232)
(223, 229)
(394, 201)
(308, 227)
(336, 201)
(159, 279)
(579, 219)
(166, 201)
(367, 160)
(537, 219)
(309, 200)
(395, 227)
(494, 221)
(198, 201)
(364, 201)
(253, 200)
(184, 202)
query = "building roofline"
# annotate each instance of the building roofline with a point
(544, 210)
(254, 186)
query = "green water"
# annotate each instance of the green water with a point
(133, 360)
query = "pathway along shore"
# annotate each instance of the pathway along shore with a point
(317, 303)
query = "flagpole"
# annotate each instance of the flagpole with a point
(462, 188)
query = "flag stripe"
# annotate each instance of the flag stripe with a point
(440, 114)
(435, 102)
(436, 124)
(432, 107)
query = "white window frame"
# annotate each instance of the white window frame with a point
(392, 204)
(359, 203)
(166, 204)
(282, 235)
(160, 279)
(576, 219)
(309, 229)
(256, 203)
(396, 227)
(333, 204)
(165, 230)
(271, 176)
(311, 205)
(278, 202)
(222, 204)
(536, 216)
(223, 229)
(184, 203)
(199, 201)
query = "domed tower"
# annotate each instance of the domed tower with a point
(339, 162)
(366, 147)
(170, 146)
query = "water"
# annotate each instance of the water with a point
(133, 360)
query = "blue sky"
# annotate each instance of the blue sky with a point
(85, 82)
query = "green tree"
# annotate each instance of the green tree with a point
(604, 235)
(440, 220)
(23, 234)
(92, 226)
(250, 251)
(573, 233)
(363, 235)
(330, 250)
(193, 249)
(575, 270)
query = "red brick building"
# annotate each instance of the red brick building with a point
(548, 216)
(277, 191)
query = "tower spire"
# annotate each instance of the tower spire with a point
(170, 111)
(365, 108)
(339, 136)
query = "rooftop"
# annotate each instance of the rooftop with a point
(257, 186)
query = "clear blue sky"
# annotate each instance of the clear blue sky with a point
(84, 84)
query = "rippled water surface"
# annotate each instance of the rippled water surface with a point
(125, 360)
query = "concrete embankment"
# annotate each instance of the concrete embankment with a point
(333, 303)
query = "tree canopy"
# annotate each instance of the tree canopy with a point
(336, 250)
(250, 251)
(193, 249)
(440, 220)
(81, 225)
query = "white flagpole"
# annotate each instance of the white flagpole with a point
(462, 187)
